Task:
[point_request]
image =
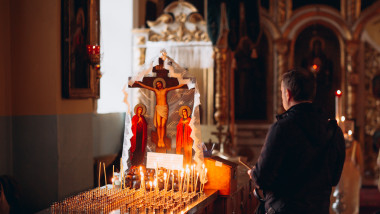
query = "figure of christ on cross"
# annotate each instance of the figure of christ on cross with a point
(161, 109)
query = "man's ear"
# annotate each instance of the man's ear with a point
(288, 94)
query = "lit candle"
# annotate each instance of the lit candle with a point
(338, 94)
(188, 179)
(343, 118)
(192, 177)
(172, 182)
(349, 134)
(180, 186)
(204, 180)
(142, 180)
(196, 182)
(100, 169)
(165, 176)
(155, 186)
(105, 175)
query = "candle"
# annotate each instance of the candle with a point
(121, 173)
(338, 94)
(196, 182)
(100, 169)
(180, 186)
(342, 119)
(188, 179)
(349, 134)
(173, 181)
(155, 186)
(142, 180)
(192, 178)
(165, 175)
(105, 175)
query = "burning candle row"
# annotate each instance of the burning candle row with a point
(147, 198)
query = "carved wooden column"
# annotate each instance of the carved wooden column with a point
(282, 49)
(352, 78)
(221, 85)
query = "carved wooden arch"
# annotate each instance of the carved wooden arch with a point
(366, 16)
(327, 17)
(272, 33)
(268, 25)
(324, 15)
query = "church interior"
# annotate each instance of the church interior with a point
(58, 124)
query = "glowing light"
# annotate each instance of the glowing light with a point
(343, 118)
(349, 132)
(338, 93)
(315, 67)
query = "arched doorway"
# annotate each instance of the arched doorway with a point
(317, 49)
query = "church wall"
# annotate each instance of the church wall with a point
(75, 162)
(51, 136)
(108, 133)
(5, 90)
(35, 158)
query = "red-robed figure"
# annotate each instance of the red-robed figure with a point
(183, 135)
(139, 139)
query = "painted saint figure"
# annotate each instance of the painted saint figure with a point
(139, 139)
(183, 134)
(161, 109)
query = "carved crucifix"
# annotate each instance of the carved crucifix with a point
(160, 85)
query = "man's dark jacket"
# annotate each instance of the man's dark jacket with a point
(301, 160)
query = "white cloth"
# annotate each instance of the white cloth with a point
(190, 54)
(161, 110)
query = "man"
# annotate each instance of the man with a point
(161, 110)
(303, 155)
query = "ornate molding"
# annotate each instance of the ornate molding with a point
(282, 48)
(372, 109)
(180, 22)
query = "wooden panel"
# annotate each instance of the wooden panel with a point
(220, 176)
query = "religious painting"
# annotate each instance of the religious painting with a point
(183, 139)
(140, 135)
(81, 50)
(172, 113)
(317, 50)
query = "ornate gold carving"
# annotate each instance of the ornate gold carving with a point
(221, 86)
(176, 27)
(372, 68)
(164, 18)
(141, 41)
(372, 106)
(351, 49)
(282, 48)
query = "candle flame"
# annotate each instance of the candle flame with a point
(350, 132)
(343, 118)
(338, 93)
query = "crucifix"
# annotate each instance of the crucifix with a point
(160, 85)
